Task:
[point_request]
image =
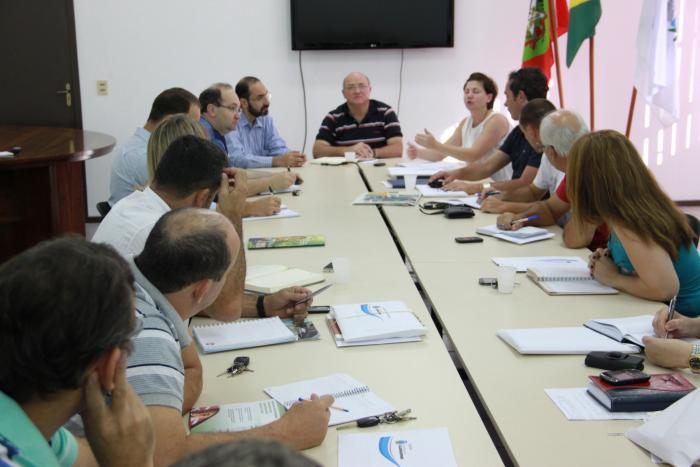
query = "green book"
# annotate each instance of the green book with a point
(295, 241)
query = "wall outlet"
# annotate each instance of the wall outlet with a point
(102, 87)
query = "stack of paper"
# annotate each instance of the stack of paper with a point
(374, 323)
(520, 236)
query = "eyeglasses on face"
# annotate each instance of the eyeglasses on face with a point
(358, 87)
(233, 108)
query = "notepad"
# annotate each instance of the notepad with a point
(427, 190)
(523, 263)
(349, 394)
(562, 341)
(387, 198)
(631, 329)
(405, 448)
(282, 214)
(521, 236)
(570, 279)
(295, 241)
(234, 417)
(361, 322)
(274, 277)
(242, 334)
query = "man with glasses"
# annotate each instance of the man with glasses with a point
(367, 127)
(256, 142)
(221, 112)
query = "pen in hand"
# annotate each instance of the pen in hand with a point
(524, 219)
(301, 399)
(671, 310)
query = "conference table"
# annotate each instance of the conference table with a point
(397, 253)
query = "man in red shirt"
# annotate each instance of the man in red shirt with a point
(557, 134)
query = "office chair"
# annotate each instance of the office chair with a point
(103, 208)
(694, 226)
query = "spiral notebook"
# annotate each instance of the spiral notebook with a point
(572, 279)
(356, 398)
(242, 334)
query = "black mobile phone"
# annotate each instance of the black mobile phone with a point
(379, 164)
(436, 183)
(488, 281)
(622, 377)
(469, 239)
(319, 309)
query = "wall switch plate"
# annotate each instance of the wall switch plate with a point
(102, 87)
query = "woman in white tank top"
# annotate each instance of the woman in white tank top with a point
(477, 136)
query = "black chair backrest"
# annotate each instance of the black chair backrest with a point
(103, 208)
(695, 227)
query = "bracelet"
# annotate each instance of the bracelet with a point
(260, 306)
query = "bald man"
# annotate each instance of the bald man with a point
(367, 127)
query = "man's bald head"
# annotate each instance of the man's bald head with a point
(186, 246)
(560, 129)
(355, 77)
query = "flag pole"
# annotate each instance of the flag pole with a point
(630, 115)
(553, 30)
(591, 81)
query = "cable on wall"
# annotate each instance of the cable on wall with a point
(303, 90)
(398, 104)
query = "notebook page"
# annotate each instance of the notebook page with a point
(561, 341)
(242, 334)
(349, 394)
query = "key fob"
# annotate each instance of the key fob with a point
(241, 362)
(368, 422)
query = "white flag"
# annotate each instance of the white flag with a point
(655, 75)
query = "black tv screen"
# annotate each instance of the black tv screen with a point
(371, 24)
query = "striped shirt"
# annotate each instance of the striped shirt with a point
(254, 145)
(155, 369)
(381, 123)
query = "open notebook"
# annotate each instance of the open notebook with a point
(630, 329)
(569, 279)
(274, 277)
(356, 398)
(242, 334)
(521, 236)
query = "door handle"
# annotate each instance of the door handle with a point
(67, 92)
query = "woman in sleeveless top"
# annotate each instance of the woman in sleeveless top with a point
(477, 136)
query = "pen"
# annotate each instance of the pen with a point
(301, 399)
(524, 219)
(488, 193)
(313, 294)
(671, 310)
(269, 188)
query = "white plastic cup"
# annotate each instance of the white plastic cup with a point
(410, 181)
(506, 279)
(342, 270)
(350, 156)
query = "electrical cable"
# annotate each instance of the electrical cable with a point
(303, 89)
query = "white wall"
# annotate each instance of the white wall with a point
(142, 48)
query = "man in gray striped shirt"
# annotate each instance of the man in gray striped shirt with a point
(181, 271)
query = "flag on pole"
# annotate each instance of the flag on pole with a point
(655, 75)
(583, 18)
(537, 50)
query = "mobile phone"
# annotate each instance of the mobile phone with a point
(379, 164)
(319, 309)
(469, 239)
(622, 377)
(488, 281)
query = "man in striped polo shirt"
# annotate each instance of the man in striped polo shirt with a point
(181, 271)
(367, 127)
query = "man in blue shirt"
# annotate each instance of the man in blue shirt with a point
(256, 142)
(66, 319)
(129, 168)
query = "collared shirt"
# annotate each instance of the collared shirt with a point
(214, 135)
(129, 222)
(381, 123)
(24, 444)
(155, 369)
(520, 152)
(548, 177)
(130, 167)
(254, 145)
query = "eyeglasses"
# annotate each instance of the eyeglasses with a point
(358, 87)
(233, 108)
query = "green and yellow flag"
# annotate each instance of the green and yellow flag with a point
(583, 18)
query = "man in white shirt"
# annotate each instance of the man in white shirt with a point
(129, 168)
(191, 172)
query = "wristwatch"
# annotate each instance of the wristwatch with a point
(486, 186)
(694, 359)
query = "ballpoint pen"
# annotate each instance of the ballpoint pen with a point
(525, 219)
(671, 310)
(301, 399)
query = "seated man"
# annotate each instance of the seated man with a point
(523, 86)
(66, 317)
(362, 125)
(191, 172)
(129, 168)
(558, 132)
(183, 267)
(255, 141)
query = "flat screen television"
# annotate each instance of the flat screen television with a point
(371, 24)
